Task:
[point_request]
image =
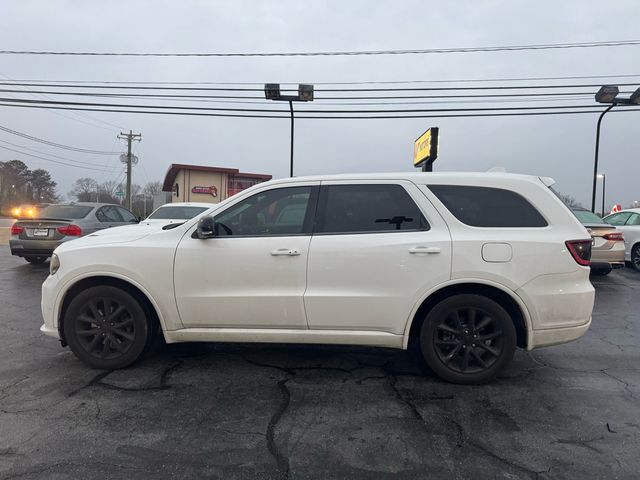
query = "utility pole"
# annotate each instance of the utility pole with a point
(129, 137)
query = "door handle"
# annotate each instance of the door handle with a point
(422, 249)
(291, 252)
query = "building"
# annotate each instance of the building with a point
(198, 183)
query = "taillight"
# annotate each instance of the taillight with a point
(70, 230)
(16, 229)
(613, 236)
(580, 251)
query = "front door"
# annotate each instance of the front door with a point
(252, 274)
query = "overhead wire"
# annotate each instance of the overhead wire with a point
(53, 161)
(421, 51)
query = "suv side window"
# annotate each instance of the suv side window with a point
(488, 206)
(277, 212)
(108, 214)
(369, 208)
(618, 218)
(126, 215)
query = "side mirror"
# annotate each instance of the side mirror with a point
(206, 228)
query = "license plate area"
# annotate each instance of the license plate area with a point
(40, 232)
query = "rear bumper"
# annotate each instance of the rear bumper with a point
(23, 248)
(608, 258)
(555, 336)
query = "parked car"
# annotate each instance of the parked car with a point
(607, 250)
(176, 212)
(463, 267)
(628, 221)
(35, 239)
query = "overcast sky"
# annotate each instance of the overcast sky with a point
(557, 146)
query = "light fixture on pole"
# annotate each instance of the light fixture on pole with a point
(305, 94)
(604, 185)
(608, 94)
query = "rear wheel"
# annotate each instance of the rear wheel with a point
(35, 260)
(635, 257)
(467, 339)
(106, 327)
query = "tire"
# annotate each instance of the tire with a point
(450, 348)
(106, 328)
(35, 260)
(635, 257)
(600, 271)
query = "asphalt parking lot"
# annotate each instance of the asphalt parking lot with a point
(301, 412)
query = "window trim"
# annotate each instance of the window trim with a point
(547, 224)
(307, 224)
(322, 207)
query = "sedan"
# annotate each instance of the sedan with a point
(36, 239)
(176, 212)
(628, 221)
(607, 250)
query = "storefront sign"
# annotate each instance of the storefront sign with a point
(213, 191)
(425, 148)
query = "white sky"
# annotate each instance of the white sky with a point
(556, 146)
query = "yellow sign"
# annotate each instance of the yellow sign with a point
(425, 147)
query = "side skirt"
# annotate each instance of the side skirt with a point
(282, 335)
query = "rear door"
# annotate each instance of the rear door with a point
(377, 247)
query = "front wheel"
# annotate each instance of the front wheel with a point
(106, 327)
(635, 257)
(467, 339)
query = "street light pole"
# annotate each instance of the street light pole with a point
(305, 94)
(595, 161)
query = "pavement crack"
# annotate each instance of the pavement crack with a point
(533, 473)
(581, 443)
(91, 382)
(281, 460)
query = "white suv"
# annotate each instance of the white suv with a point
(464, 266)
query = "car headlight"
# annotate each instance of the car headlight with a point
(54, 264)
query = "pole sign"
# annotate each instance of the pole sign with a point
(425, 150)
(616, 208)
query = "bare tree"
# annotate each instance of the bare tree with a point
(152, 188)
(84, 189)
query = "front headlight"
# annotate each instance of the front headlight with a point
(54, 264)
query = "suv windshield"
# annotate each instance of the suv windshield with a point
(176, 213)
(64, 211)
(585, 216)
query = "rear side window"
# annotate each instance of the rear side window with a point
(488, 207)
(618, 218)
(368, 209)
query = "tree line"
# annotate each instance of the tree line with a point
(20, 185)
(87, 189)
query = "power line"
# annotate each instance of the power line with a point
(53, 161)
(342, 117)
(269, 110)
(502, 48)
(368, 82)
(54, 144)
(51, 154)
(261, 90)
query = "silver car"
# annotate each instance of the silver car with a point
(36, 239)
(628, 222)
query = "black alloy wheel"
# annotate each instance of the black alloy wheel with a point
(635, 257)
(468, 339)
(106, 327)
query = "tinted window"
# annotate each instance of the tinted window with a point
(618, 218)
(281, 211)
(634, 219)
(126, 215)
(108, 214)
(585, 216)
(176, 213)
(368, 208)
(64, 211)
(488, 207)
